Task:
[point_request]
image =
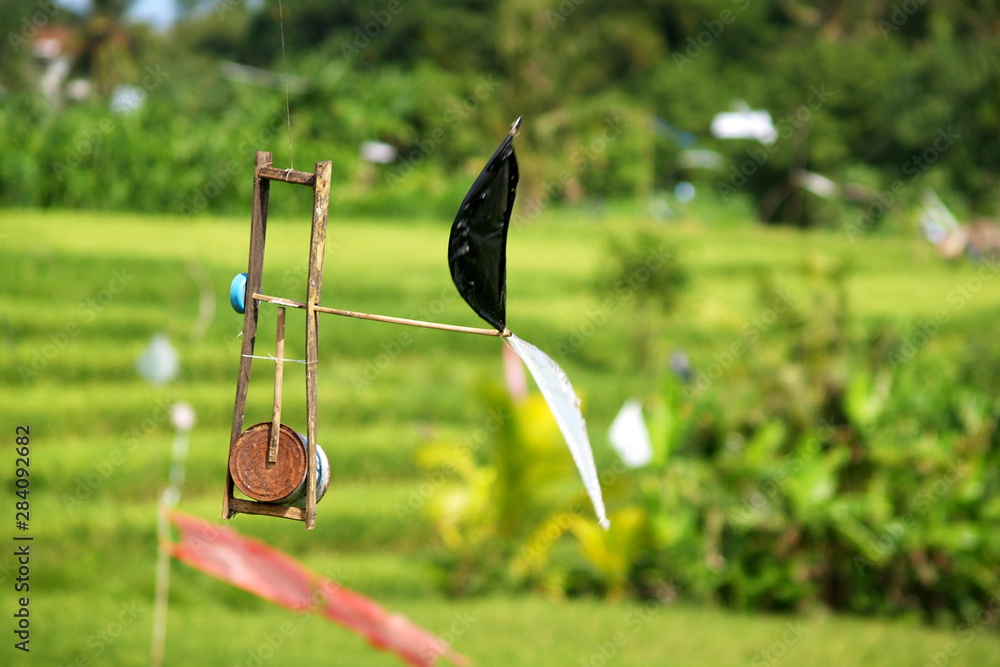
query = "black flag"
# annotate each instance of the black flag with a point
(477, 249)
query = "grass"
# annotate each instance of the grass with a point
(84, 293)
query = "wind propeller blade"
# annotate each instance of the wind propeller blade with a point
(477, 248)
(477, 256)
(565, 406)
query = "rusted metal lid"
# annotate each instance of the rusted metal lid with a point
(251, 472)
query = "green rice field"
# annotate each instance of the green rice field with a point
(83, 294)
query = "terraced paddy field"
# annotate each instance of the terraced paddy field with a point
(83, 294)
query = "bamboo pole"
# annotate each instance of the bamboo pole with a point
(382, 318)
(255, 271)
(279, 371)
(317, 252)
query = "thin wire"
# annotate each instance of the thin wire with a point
(284, 64)
(274, 358)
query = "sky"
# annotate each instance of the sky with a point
(159, 13)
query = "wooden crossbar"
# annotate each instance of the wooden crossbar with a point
(289, 176)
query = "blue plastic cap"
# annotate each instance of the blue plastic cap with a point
(238, 293)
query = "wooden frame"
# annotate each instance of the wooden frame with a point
(319, 181)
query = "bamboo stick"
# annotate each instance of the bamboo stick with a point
(382, 318)
(279, 371)
(317, 252)
(255, 271)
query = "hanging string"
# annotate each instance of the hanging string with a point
(284, 64)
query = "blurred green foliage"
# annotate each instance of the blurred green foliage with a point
(859, 94)
(827, 487)
(811, 479)
(496, 497)
(642, 275)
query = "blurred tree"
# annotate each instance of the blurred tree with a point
(108, 49)
(442, 80)
(22, 21)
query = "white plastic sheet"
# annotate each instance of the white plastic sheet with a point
(565, 406)
(630, 437)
